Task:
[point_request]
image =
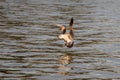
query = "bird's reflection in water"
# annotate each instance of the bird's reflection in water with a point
(64, 60)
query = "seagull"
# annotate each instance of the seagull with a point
(67, 37)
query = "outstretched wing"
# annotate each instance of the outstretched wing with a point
(62, 28)
(71, 27)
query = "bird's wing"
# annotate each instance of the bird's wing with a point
(62, 28)
(71, 27)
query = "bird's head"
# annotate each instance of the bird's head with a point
(69, 44)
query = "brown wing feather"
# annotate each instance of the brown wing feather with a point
(71, 27)
(62, 28)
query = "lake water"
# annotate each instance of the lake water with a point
(31, 50)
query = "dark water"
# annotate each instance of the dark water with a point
(31, 50)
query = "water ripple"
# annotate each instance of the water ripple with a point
(30, 48)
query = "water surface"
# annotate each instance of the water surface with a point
(30, 48)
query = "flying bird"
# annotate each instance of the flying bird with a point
(67, 37)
